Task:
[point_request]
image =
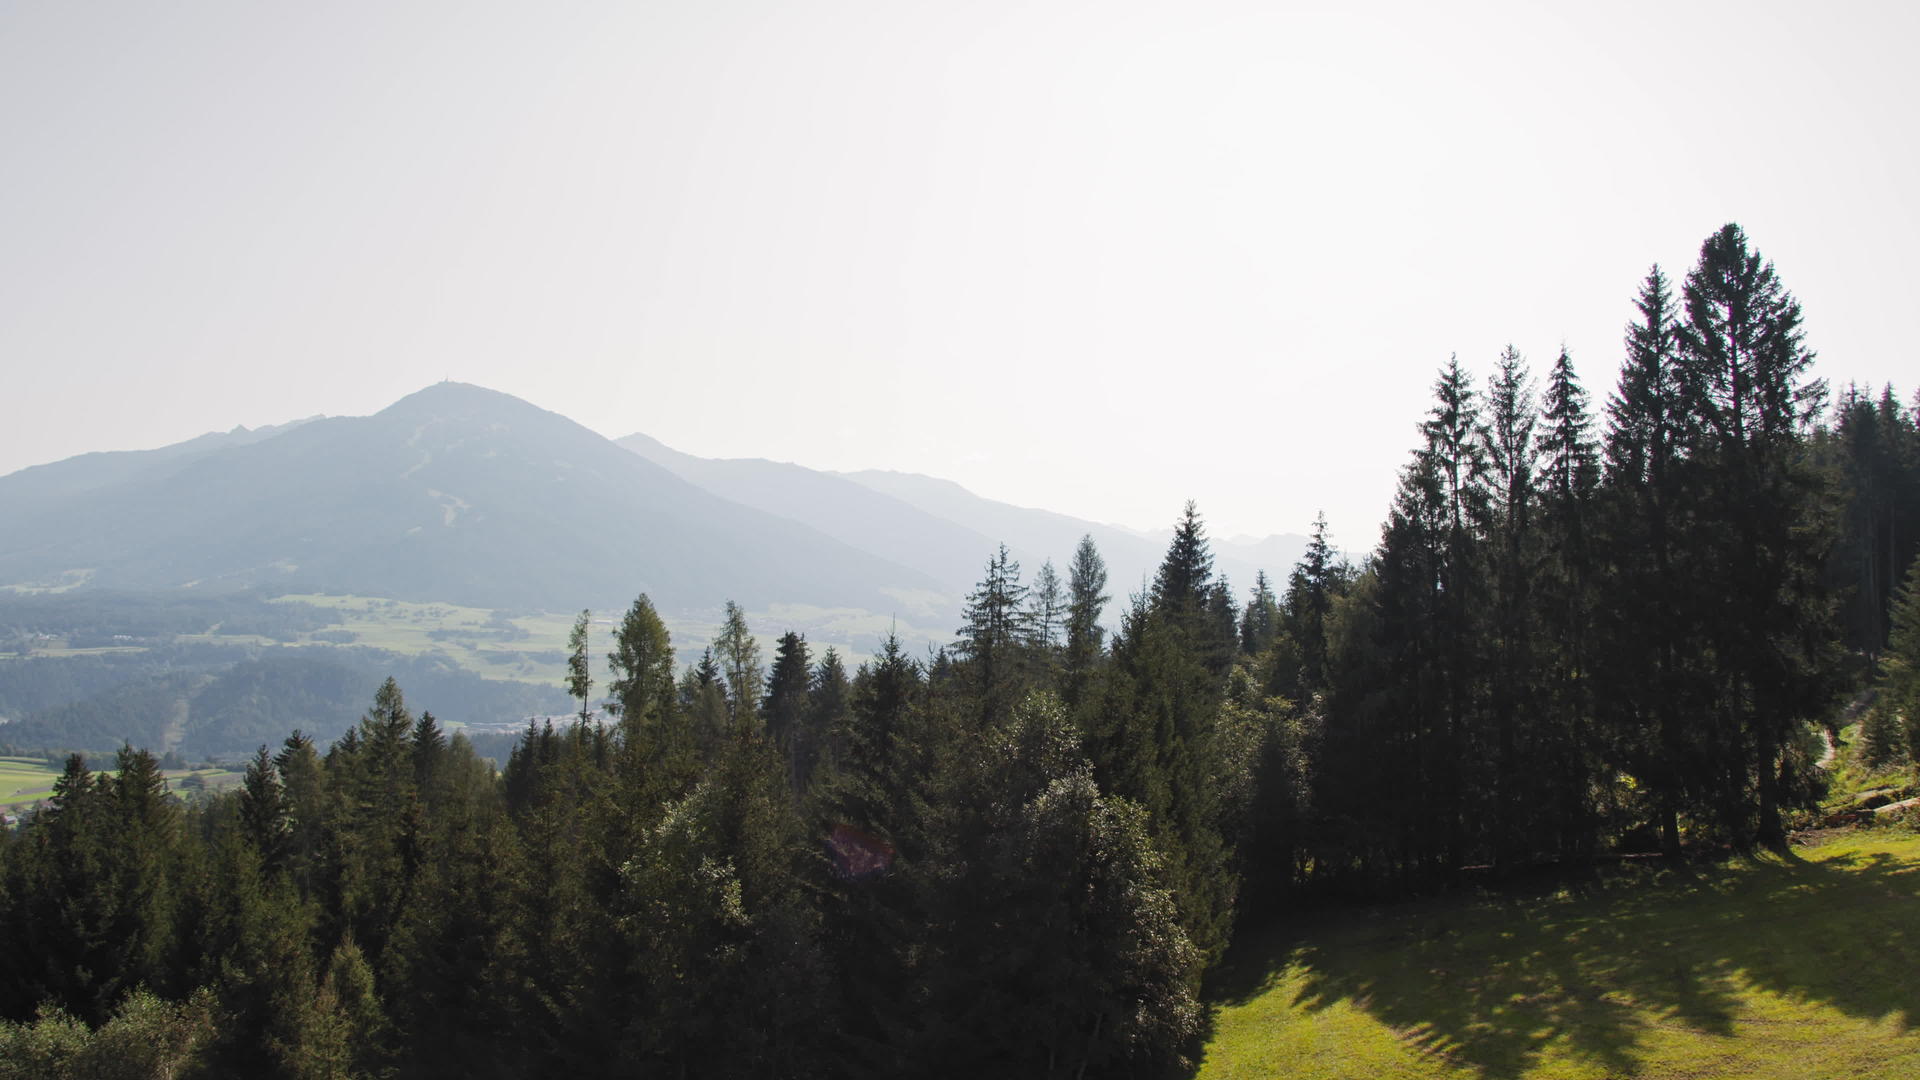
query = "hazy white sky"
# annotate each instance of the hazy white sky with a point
(1099, 257)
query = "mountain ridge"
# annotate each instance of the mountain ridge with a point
(454, 492)
(461, 493)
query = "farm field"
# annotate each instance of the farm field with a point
(1768, 967)
(530, 648)
(26, 780)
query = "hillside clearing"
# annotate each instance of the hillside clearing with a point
(1769, 967)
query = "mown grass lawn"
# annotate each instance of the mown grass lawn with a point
(1803, 967)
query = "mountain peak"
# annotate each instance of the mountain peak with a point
(460, 396)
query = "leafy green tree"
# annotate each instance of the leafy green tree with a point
(725, 941)
(146, 1036)
(349, 989)
(1055, 948)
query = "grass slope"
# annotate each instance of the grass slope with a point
(1796, 967)
(25, 781)
(21, 776)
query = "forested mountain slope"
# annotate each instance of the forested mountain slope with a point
(454, 493)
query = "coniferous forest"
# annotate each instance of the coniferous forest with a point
(1596, 622)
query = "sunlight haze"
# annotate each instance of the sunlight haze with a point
(1094, 257)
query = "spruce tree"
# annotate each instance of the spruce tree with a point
(1086, 599)
(1261, 620)
(785, 706)
(1567, 600)
(1651, 659)
(1316, 581)
(996, 634)
(1747, 378)
(1521, 746)
(829, 697)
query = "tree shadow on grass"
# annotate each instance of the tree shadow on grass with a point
(1592, 969)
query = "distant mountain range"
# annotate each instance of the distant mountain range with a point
(462, 494)
(947, 532)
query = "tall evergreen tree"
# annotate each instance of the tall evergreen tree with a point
(1261, 620)
(1185, 577)
(1651, 661)
(739, 657)
(1567, 597)
(1521, 746)
(1046, 613)
(642, 689)
(1086, 599)
(829, 698)
(265, 815)
(579, 671)
(996, 634)
(1316, 581)
(785, 708)
(1747, 377)
(1158, 741)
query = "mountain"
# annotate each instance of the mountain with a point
(1132, 556)
(852, 513)
(947, 532)
(453, 493)
(41, 486)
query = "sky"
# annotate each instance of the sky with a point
(1100, 258)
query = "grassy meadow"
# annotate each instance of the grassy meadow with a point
(488, 644)
(1804, 966)
(495, 645)
(26, 780)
